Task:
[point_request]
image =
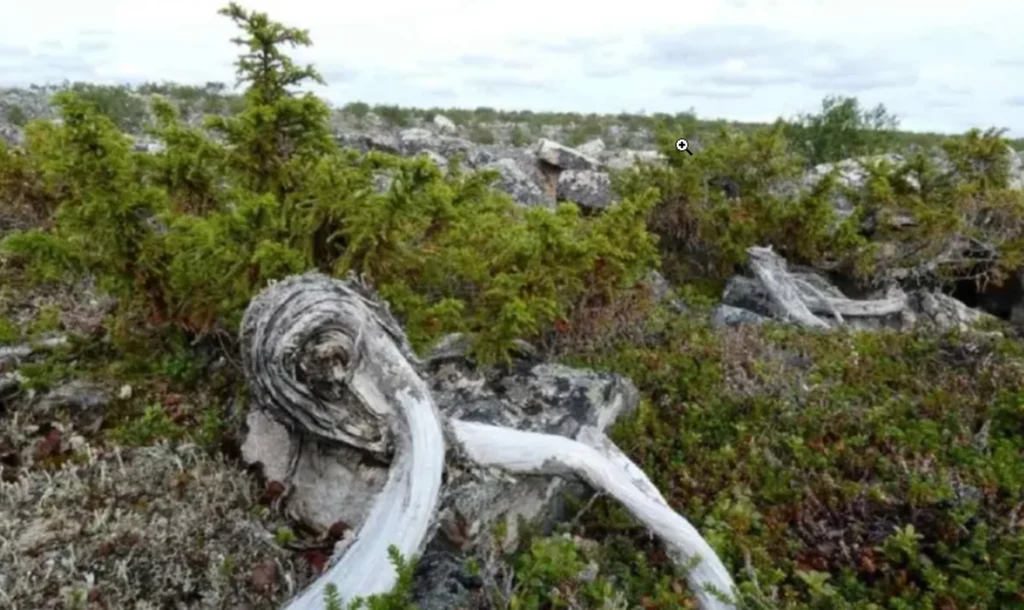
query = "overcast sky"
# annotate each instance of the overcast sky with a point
(938, 65)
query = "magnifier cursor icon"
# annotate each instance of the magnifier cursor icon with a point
(683, 146)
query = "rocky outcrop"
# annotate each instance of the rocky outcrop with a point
(625, 159)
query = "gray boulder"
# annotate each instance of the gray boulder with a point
(587, 188)
(445, 125)
(418, 140)
(593, 148)
(563, 157)
(727, 315)
(517, 183)
(12, 135)
(626, 159)
(365, 142)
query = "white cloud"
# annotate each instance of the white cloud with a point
(938, 65)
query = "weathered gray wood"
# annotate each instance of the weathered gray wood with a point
(324, 361)
(332, 375)
(797, 299)
(785, 294)
(604, 468)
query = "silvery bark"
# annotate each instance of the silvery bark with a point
(347, 416)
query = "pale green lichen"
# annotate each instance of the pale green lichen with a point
(153, 527)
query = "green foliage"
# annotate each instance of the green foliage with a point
(481, 134)
(195, 100)
(359, 110)
(284, 535)
(117, 102)
(842, 130)
(48, 319)
(703, 236)
(24, 198)
(9, 331)
(399, 598)
(589, 129)
(551, 575)
(188, 235)
(519, 136)
(904, 451)
(154, 423)
(969, 201)
(395, 116)
(278, 134)
(190, 167)
(103, 218)
(13, 114)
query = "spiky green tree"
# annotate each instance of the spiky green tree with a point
(280, 133)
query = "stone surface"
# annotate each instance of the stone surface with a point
(563, 157)
(727, 315)
(587, 188)
(592, 148)
(444, 124)
(78, 395)
(625, 159)
(518, 184)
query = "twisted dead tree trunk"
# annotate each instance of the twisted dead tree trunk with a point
(329, 366)
(796, 299)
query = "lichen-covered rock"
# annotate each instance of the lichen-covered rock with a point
(437, 158)
(563, 157)
(1016, 169)
(444, 124)
(365, 142)
(943, 311)
(587, 188)
(727, 315)
(12, 135)
(75, 395)
(517, 183)
(626, 159)
(417, 140)
(592, 148)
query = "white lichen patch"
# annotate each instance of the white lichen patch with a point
(154, 527)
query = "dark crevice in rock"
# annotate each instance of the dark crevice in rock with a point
(1000, 300)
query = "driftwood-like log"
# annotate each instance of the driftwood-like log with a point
(330, 364)
(327, 363)
(796, 299)
(605, 469)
